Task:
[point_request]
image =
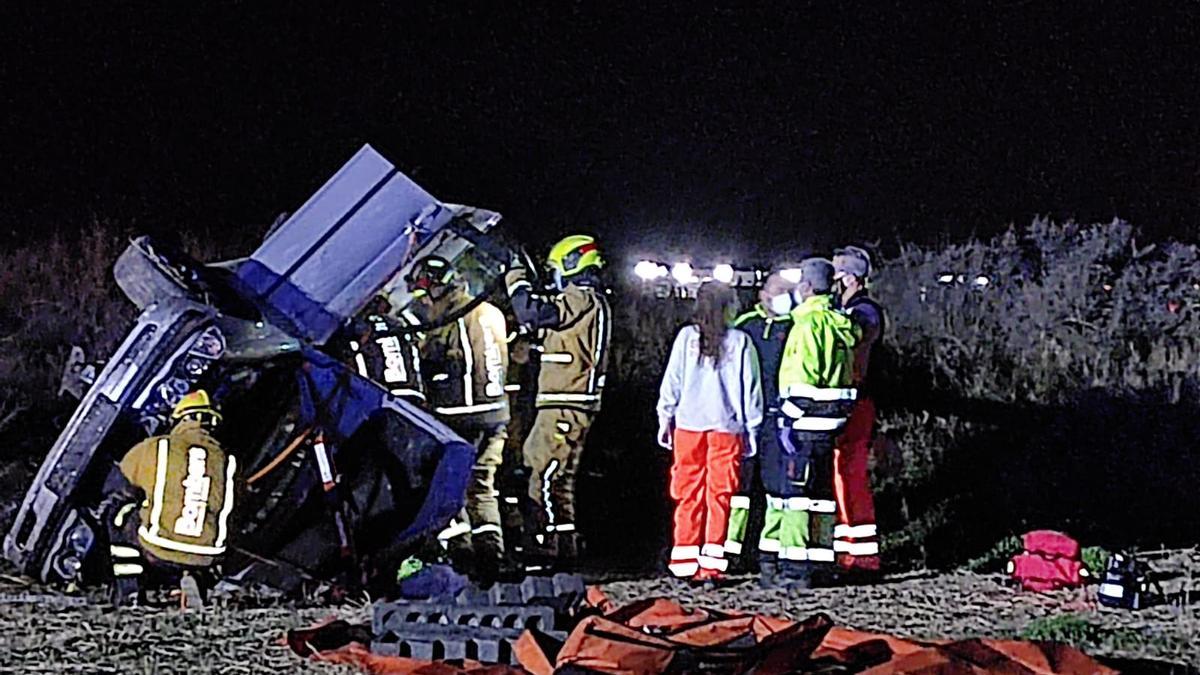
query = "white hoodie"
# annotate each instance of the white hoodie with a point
(699, 397)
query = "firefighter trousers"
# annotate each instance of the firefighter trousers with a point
(475, 538)
(704, 476)
(552, 452)
(856, 538)
(797, 473)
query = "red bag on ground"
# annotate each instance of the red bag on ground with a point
(1050, 561)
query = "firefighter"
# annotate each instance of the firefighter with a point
(465, 368)
(767, 325)
(385, 352)
(168, 503)
(815, 398)
(856, 538)
(575, 325)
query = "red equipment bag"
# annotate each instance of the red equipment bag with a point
(1050, 561)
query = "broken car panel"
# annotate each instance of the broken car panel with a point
(253, 333)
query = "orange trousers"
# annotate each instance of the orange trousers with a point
(855, 537)
(704, 477)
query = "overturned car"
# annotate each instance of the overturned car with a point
(344, 479)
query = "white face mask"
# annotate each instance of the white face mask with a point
(780, 304)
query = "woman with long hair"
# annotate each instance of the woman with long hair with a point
(709, 409)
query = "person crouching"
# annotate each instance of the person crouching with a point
(167, 505)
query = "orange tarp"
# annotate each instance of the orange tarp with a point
(656, 635)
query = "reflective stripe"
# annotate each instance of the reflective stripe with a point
(512, 387)
(1112, 590)
(512, 500)
(440, 377)
(469, 362)
(119, 520)
(793, 553)
(821, 555)
(482, 529)
(160, 484)
(127, 570)
(568, 398)
(685, 569)
(818, 423)
(802, 553)
(769, 545)
(860, 548)
(118, 551)
(557, 358)
(812, 393)
(739, 502)
(454, 529)
(223, 519)
(362, 365)
(518, 286)
(601, 334)
(468, 409)
(546, 499)
(733, 547)
(565, 527)
(685, 552)
(195, 549)
(801, 504)
(711, 563)
(822, 506)
(855, 531)
(408, 392)
(713, 550)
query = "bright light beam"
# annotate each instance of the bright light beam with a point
(649, 271)
(683, 273)
(792, 275)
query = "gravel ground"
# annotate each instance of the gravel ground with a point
(63, 635)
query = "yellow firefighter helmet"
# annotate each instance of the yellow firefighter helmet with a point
(574, 254)
(195, 403)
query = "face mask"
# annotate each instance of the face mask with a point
(780, 304)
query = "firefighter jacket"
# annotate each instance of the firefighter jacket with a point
(465, 364)
(386, 353)
(769, 335)
(576, 327)
(188, 481)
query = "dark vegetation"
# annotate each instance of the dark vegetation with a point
(1062, 394)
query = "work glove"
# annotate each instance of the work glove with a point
(786, 443)
(665, 434)
(515, 278)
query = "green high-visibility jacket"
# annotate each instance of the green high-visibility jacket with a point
(820, 346)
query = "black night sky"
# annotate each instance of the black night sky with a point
(815, 122)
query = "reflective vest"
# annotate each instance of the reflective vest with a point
(188, 480)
